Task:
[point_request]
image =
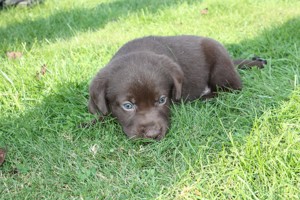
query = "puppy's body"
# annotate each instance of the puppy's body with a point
(205, 62)
(142, 78)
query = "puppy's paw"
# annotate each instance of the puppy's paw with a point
(259, 62)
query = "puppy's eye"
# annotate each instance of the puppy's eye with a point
(128, 106)
(162, 100)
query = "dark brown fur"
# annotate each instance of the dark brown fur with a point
(149, 70)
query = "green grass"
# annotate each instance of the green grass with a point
(238, 146)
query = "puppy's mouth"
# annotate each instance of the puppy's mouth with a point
(150, 133)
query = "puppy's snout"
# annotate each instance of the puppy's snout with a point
(150, 130)
(153, 133)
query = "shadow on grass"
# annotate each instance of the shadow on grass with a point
(281, 41)
(61, 111)
(64, 24)
(57, 117)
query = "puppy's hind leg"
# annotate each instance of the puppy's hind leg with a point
(245, 64)
(224, 77)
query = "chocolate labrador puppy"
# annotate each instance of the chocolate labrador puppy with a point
(147, 74)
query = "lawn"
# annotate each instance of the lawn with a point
(242, 145)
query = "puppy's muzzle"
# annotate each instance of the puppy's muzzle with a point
(151, 130)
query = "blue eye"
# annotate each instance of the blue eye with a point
(128, 106)
(162, 100)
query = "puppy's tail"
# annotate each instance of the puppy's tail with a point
(245, 64)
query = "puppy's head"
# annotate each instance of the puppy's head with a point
(137, 89)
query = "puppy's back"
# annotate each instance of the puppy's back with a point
(195, 55)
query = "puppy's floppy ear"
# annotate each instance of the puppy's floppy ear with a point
(175, 71)
(97, 102)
